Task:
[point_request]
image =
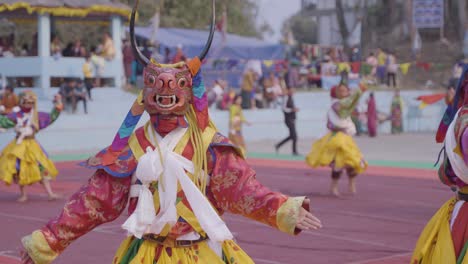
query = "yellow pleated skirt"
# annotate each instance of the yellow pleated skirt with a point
(336, 149)
(136, 251)
(33, 163)
(435, 244)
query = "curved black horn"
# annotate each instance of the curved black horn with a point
(212, 31)
(136, 52)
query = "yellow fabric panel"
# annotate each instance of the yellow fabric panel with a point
(339, 148)
(288, 214)
(30, 153)
(435, 244)
(135, 146)
(200, 253)
(65, 11)
(38, 249)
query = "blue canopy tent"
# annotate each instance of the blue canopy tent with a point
(234, 50)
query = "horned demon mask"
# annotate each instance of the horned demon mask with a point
(172, 89)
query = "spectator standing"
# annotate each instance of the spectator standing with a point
(88, 75)
(381, 65)
(392, 69)
(290, 110)
(98, 63)
(128, 59)
(167, 55)
(179, 56)
(373, 63)
(108, 48)
(372, 116)
(247, 87)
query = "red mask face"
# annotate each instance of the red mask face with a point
(27, 102)
(168, 91)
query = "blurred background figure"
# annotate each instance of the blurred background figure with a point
(236, 120)
(372, 116)
(396, 113)
(9, 101)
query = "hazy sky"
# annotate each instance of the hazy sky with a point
(275, 12)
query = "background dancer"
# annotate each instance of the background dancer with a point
(24, 161)
(337, 148)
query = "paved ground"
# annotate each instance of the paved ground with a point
(379, 225)
(397, 195)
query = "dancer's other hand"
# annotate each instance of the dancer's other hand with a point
(307, 220)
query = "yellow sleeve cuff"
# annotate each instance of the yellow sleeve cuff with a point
(288, 214)
(38, 249)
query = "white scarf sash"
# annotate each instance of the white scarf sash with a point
(457, 162)
(169, 168)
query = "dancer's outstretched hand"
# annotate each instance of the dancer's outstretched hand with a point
(306, 220)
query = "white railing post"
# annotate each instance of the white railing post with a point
(43, 29)
(116, 31)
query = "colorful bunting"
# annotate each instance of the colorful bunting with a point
(404, 67)
(429, 99)
(268, 63)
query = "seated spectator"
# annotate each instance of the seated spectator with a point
(24, 50)
(8, 52)
(56, 47)
(78, 50)
(68, 51)
(9, 101)
(79, 92)
(66, 92)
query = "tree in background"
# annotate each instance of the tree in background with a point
(241, 14)
(303, 28)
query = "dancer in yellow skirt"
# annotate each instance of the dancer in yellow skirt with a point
(23, 161)
(445, 237)
(177, 175)
(337, 148)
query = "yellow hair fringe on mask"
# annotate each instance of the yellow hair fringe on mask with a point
(200, 147)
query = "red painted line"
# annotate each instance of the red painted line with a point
(9, 260)
(371, 170)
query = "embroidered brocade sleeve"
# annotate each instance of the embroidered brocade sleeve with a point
(236, 189)
(461, 133)
(101, 200)
(46, 119)
(464, 145)
(347, 105)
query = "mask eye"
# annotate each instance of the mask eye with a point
(182, 83)
(151, 80)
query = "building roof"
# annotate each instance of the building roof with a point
(65, 8)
